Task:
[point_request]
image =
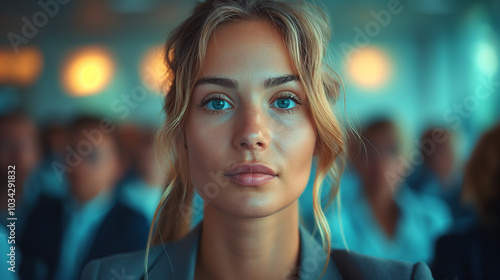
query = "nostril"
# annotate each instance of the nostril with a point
(250, 145)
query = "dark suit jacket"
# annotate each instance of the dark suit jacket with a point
(471, 254)
(122, 230)
(176, 260)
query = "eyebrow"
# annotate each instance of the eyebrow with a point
(233, 84)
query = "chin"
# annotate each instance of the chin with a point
(251, 204)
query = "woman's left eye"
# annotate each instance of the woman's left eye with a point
(285, 103)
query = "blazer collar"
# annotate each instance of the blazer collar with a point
(177, 260)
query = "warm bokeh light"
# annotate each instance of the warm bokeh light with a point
(153, 70)
(87, 71)
(369, 67)
(21, 68)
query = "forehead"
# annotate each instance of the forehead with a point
(381, 134)
(17, 127)
(247, 47)
(91, 134)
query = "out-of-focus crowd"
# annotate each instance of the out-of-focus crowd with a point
(89, 188)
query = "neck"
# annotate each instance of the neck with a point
(83, 199)
(384, 207)
(248, 248)
(378, 193)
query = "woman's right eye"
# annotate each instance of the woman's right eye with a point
(217, 104)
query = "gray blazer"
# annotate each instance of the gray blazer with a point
(176, 260)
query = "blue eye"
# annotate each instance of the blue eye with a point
(285, 103)
(217, 104)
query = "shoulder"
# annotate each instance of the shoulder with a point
(45, 216)
(125, 228)
(121, 209)
(353, 265)
(126, 265)
(416, 204)
(172, 260)
(461, 243)
(125, 216)
(456, 247)
(459, 238)
(46, 204)
(120, 266)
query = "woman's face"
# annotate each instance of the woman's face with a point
(247, 107)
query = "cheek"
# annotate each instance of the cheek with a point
(206, 149)
(297, 147)
(393, 168)
(99, 176)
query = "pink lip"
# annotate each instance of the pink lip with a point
(251, 179)
(251, 174)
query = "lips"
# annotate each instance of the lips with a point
(251, 174)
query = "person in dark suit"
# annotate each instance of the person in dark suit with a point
(63, 235)
(19, 156)
(19, 153)
(249, 105)
(474, 252)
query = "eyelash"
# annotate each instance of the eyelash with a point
(282, 95)
(292, 96)
(205, 101)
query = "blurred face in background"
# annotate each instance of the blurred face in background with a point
(442, 159)
(19, 146)
(378, 166)
(146, 164)
(130, 136)
(250, 123)
(56, 138)
(98, 170)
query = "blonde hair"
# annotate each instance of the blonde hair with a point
(306, 33)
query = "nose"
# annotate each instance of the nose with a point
(251, 129)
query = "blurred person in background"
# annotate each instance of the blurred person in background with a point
(143, 191)
(19, 147)
(19, 155)
(130, 136)
(47, 179)
(61, 236)
(436, 175)
(385, 218)
(474, 253)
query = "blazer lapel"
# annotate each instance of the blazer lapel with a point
(313, 258)
(176, 260)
